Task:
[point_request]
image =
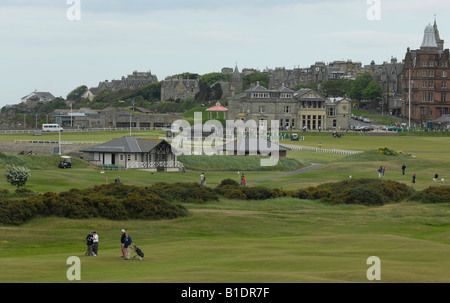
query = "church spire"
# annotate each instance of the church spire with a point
(439, 41)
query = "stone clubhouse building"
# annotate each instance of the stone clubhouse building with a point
(304, 109)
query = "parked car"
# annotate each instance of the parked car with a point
(366, 120)
(363, 128)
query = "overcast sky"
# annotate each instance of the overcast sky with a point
(43, 49)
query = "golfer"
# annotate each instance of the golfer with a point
(122, 242)
(127, 244)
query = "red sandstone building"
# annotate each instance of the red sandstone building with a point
(426, 79)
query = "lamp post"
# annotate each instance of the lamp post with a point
(59, 142)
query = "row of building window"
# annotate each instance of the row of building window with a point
(429, 74)
(287, 108)
(429, 97)
(267, 95)
(433, 64)
(430, 84)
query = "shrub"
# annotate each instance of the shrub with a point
(184, 192)
(257, 193)
(386, 151)
(365, 192)
(277, 193)
(229, 182)
(16, 212)
(433, 194)
(138, 203)
(236, 194)
(312, 193)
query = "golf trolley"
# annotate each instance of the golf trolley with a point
(138, 251)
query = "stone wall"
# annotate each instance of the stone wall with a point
(42, 148)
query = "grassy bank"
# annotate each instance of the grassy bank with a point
(237, 163)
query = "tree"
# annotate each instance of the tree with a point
(337, 88)
(313, 86)
(253, 78)
(208, 92)
(76, 94)
(17, 176)
(373, 92)
(358, 86)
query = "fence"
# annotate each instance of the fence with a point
(321, 150)
(164, 164)
(57, 142)
(74, 130)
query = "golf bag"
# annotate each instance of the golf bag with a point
(138, 251)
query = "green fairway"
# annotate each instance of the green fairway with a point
(285, 240)
(280, 240)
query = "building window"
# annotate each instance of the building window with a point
(287, 109)
(334, 123)
(430, 84)
(444, 74)
(121, 157)
(135, 157)
(128, 157)
(262, 109)
(430, 96)
(331, 112)
(444, 97)
(424, 74)
(424, 97)
(96, 157)
(444, 84)
(424, 84)
(431, 73)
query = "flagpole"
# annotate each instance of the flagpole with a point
(132, 102)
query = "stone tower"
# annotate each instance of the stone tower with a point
(236, 81)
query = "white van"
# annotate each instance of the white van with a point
(51, 128)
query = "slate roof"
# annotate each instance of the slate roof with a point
(257, 88)
(41, 95)
(126, 145)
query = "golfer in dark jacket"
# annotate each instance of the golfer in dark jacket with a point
(89, 242)
(122, 242)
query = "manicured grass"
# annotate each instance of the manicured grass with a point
(281, 240)
(237, 163)
(284, 240)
